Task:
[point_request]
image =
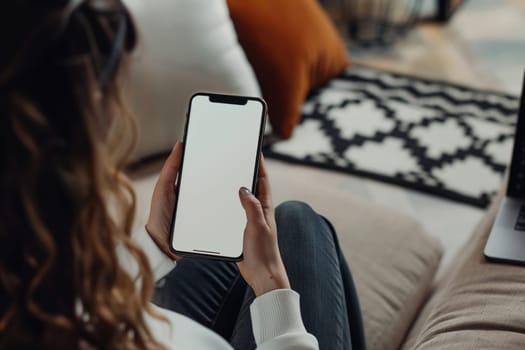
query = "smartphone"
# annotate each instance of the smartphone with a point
(222, 145)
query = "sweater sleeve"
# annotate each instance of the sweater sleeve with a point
(277, 322)
(159, 262)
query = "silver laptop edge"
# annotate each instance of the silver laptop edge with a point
(506, 242)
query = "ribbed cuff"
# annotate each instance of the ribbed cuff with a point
(276, 313)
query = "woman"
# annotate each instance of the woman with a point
(72, 276)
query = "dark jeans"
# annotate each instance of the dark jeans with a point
(214, 294)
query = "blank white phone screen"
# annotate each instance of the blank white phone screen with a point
(219, 158)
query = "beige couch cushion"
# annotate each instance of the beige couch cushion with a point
(479, 305)
(392, 259)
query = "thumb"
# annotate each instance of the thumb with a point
(252, 207)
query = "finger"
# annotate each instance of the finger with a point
(171, 167)
(264, 193)
(252, 207)
(262, 167)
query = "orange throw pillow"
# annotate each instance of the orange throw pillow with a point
(293, 48)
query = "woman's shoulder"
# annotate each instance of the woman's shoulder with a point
(181, 332)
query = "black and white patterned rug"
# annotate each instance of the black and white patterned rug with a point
(436, 137)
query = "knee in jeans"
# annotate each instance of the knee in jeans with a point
(293, 210)
(299, 213)
(298, 226)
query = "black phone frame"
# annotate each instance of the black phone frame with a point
(216, 98)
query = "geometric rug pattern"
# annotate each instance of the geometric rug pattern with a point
(440, 138)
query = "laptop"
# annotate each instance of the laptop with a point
(506, 242)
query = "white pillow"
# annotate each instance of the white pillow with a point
(184, 46)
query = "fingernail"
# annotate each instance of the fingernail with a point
(245, 191)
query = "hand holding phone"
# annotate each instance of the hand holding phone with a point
(262, 267)
(163, 200)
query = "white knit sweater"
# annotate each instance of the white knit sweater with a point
(276, 315)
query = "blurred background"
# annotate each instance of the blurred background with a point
(476, 42)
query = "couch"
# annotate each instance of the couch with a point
(473, 305)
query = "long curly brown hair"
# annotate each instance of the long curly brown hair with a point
(65, 205)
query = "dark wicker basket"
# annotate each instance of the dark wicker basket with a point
(374, 22)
